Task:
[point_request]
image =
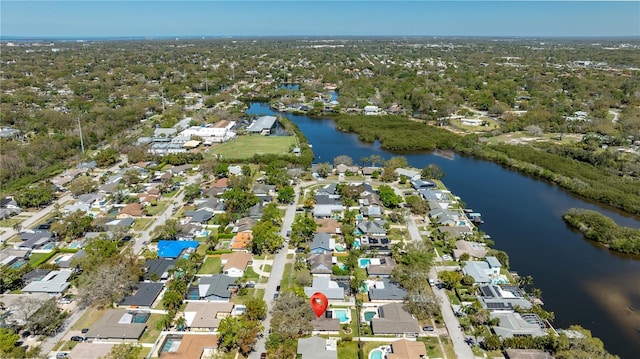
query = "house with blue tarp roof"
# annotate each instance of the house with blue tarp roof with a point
(173, 249)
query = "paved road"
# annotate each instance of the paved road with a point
(275, 277)
(461, 348)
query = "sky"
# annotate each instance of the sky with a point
(89, 18)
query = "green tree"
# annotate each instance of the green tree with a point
(35, 196)
(343, 159)
(106, 157)
(271, 213)
(239, 201)
(302, 230)
(265, 238)
(124, 351)
(388, 196)
(491, 342)
(191, 192)
(72, 225)
(324, 169)
(9, 347)
(82, 185)
(433, 171)
(256, 309)
(286, 194)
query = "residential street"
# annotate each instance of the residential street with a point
(275, 277)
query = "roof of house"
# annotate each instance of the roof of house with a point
(132, 209)
(54, 282)
(394, 319)
(327, 287)
(144, 296)
(206, 314)
(474, 249)
(479, 270)
(514, 324)
(323, 324)
(407, 349)
(172, 249)
(386, 289)
(239, 260)
(327, 225)
(409, 173)
(245, 224)
(494, 297)
(493, 262)
(117, 324)
(262, 123)
(242, 240)
(322, 241)
(160, 266)
(199, 216)
(326, 210)
(320, 263)
(372, 227)
(192, 346)
(455, 231)
(381, 269)
(317, 348)
(221, 183)
(215, 285)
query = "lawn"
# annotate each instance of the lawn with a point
(266, 268)
(151, 334)
(141, 223)
(245, 147)
(158, 208)
(251, 293)
(37, 257)
(10, 222)
(287, 276)
(211, 265)
(249, 274)
(433, 348)
(347, 350)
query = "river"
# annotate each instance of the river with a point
(581, 282)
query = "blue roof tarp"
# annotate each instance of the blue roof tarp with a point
(172, 249)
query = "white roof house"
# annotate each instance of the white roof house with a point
(55, 282)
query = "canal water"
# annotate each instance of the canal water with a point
(581, 282)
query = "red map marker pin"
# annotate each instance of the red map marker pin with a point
(319, 303)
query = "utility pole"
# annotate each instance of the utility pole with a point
(81, 140)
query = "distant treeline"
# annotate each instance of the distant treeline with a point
(602, 229)
(602, 182)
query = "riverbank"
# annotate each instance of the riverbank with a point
(599, 183)
(602, 229)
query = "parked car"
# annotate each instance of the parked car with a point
(77, 338)
(278, 288)
(275, 296)
(263, 355)
(62, 355)
(428, 328)
(84, 330)
(250, 284)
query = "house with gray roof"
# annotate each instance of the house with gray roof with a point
(263, 124)
(372, 211)
(420, 184)
(317, 348)
(330, 189)
(327, 287)
(320, 263)
(372, 228)
(456, 231)
(164, 132)
(326, 210)
(211, 204)
(143, 296)
(393, 318)
(160, 266)
(55, 282)
(410, 174)
(9, 207)
(217, 287)
(200, 216)
(121, 222)
(322, 243)
(502, 298)
(34, 241)
(65, 260)
(325, 325)
(119, 324)
(482, 271)
(515, 324)
(386, 290)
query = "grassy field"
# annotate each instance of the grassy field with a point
(244, 147)
(151, 334)
(89, 318)
(212, 265)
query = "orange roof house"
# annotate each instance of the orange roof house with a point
(405, 349)
(192, 346)
(132, 210)
(235, 263)
(242, 241)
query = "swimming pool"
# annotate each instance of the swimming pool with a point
(375, 354)
(339, 248)
(369, 315)
(342, 314)
(17, 264)
(74, 245)
(49, 246)
(171, 344)
(193, 293)
(203, 233)
(356, 243)
(364, 262)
